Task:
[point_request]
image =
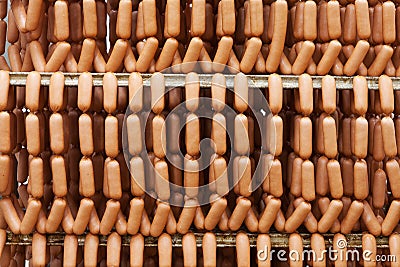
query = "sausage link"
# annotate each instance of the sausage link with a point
(70, 250)
(90, 250)
(89, 18)
(109, 217)
(279, 34)
(362, 18)
(38, 249)
(61, 21)
(114, 249)
(369, 244)
(189, 250)
(56, 215)
(30, 217)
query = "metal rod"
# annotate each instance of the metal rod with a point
(278, 240)
(178, 80)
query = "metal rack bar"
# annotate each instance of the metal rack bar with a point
(178, 80)
(278, 240)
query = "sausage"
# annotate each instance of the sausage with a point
(86, 134)
(279, 35)
(162, 180)
(303, 57)
(36, 175)
(389, 22)
(310, 23)
(150, 21)
(109, 217)
(129, 60)
(389, 138)
(328, 59)
(330, 138)
(111, 131)
(241, 138)
(322, 20)
(239, 213)
(338, 241)
(114, 249)
(386, 94)
(117, 55)
(296, 244)
(67, 221)
(361, 187)
(32, 96)
(172, 18)
(56, 92)
(298, 217)
(298, 21)
(361, 137)
(198, 22)
(369, 244)
(329, 217)
(114, 187)
(58, 57)
(90, 250)
(382, 58)
(379, 189)
(192, 54)
(209, 244)
(56, 215)
(221, 176)
(82, 218)
(87, 55)
(136, 250)
(14, 57)
(393, 173)
(137, 176)
(222, 54)
(57, 139)
(228, 17)
(5, 172)
(70, 63)
(192, 91)
(394, 248)
(5, 90)
(135, 84)
(33, 15)
(249, 58)
(110, 92)
(89, 19)
(94, 223)
(242, 249)
(256, 17)
(189, 250)
(70, 250)
(135, 215)
(356, 58)
(160, 219)
(147, 54)
(269, 214)
(10, 215)
(167, 53)
(333, 18)
(305, 139)
(61, 22)
(38, 250)
(318, 246)
(218, 207)
(8, 142)
(124, 19)
(187, 216)
(218, 133)
(370, 220)
(30, 217)
(391, 220)
(335, 179)
(362, 18)
(164, 250)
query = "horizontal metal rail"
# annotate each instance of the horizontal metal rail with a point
(278, 240)
(178, 80)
